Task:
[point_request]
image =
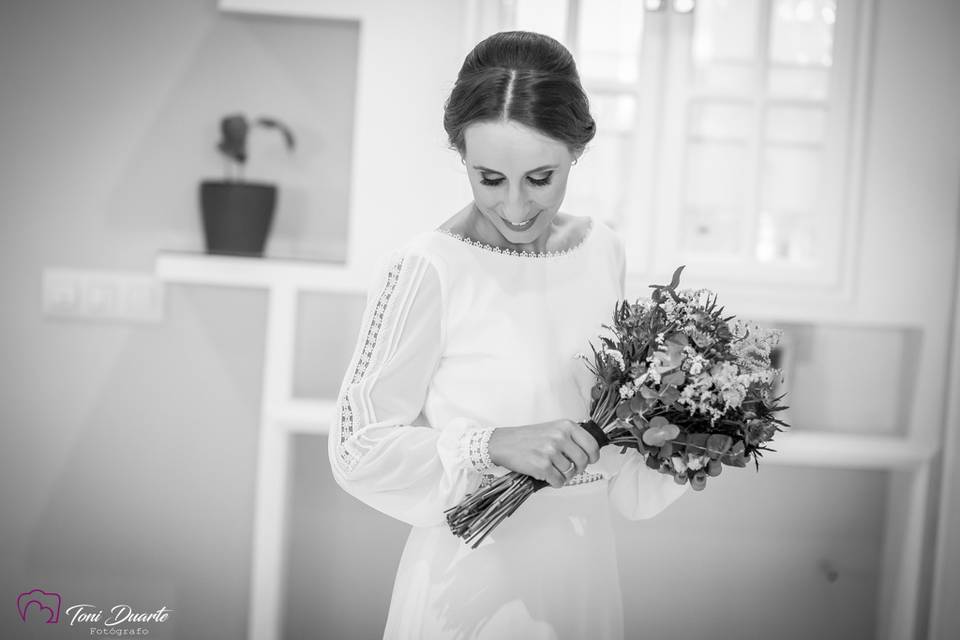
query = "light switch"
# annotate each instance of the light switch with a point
(102, 295)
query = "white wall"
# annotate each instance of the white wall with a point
(128, 450)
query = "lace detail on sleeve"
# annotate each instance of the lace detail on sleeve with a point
(475, 443)
(348, 459)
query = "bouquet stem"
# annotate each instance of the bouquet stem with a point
(480, 512)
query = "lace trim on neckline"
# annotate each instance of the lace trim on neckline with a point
(521, 254)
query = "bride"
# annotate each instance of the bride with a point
(465, 369)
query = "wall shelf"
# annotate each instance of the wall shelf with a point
(264, 273)
(848, 451)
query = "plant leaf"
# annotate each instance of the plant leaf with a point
(674, 378)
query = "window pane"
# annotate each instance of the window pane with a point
(802, 31)
(542, 16)
(725, 30)
(721, 120)
(731, 79)
(786, 238)
(708, 231)
(613, 112)
(609, 39)
(808, 84)
(796, 124)
(715, 175)
(596, 184)
(791, 179)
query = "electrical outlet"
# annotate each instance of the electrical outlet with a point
(102, 295)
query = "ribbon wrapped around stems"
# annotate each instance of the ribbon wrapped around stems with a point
(598, 435)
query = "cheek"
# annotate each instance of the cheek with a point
(551, 196)
(483, 196)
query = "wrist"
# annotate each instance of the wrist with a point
(494, 443)
(478, 449)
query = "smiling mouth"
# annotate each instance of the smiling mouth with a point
(520, 227)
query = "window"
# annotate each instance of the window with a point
(725, 128)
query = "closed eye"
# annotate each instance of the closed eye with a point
(537, 182)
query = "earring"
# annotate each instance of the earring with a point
(575, 161)
(463, 161)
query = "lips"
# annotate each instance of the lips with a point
(523, 227)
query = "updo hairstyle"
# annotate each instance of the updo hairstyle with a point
(526, 77)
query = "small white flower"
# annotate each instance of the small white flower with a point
(617, 357)
(654, 375)
(678, 464)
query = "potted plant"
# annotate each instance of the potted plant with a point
(237, 214)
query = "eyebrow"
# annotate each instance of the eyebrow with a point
(546, 166)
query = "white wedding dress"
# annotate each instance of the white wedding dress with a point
(458, 337)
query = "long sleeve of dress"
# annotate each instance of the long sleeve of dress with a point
(637, 491)
(378, 454)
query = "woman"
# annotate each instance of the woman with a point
(466, 369)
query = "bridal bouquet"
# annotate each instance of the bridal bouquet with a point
(687, 387)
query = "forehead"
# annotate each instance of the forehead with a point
(511, 147)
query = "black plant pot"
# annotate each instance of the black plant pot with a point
(237, 216)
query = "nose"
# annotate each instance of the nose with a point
(515, 206)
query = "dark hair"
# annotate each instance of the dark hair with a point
(522, 76)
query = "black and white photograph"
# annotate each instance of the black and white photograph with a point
(480, 319)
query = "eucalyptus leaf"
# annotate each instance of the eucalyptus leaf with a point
(698, 481)
(659, 434)
(659, 421)
(714, 467)
(669, 395)
(649, 393)
(718, 444)
(638, 403)
(674, 378)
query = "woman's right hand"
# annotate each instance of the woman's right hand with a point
(544, 450)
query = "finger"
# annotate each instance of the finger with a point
(575, 453)
(561, 464)
(565, 467)
(556, 478)
(587, 442)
